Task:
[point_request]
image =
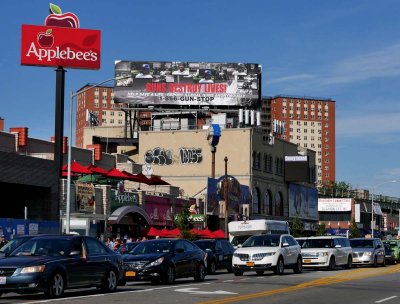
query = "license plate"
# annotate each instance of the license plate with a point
(306, 261)
(250, 264)
(355, 260)
(3, 280)
(130, 274)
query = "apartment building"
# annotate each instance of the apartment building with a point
(308, 122)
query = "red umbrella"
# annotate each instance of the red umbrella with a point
(153, 232)
(219, 234)
(136, 177)
(65, 174)
(143, 178)
(156, 180)
(97, 170)
(77, 168)
(115, 173)
(194, 231)
(206, 234)
(170, 233)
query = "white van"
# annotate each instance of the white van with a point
(327, 252)
(240, 231)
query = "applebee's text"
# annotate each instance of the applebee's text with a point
(49, 54)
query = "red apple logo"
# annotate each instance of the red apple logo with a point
(57, 18)
(45, 40)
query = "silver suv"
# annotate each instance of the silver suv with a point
(327, 252)
(368, 251)
(267, 252)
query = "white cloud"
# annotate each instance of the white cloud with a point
(291, 78)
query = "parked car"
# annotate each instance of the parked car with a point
(327, 252)
(164, 260)
(395, 246)
(389, 255)
(267, 252)
(125, 248)
(368, 251)
(219, 254)
(51, 264)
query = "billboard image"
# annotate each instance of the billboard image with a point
(187, 83)
(237, 194)
(303, 202)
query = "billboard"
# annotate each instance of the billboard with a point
(334, 204)
(55, 46)
(237, 194)
(187, 83)
(303, 202)
(297, 168)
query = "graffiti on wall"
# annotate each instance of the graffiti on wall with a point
(165, 157)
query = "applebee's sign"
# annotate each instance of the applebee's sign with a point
(60, 43)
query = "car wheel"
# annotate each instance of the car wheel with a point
(200, 273)
(349, 264)
(238, 273)
(298, 268)
(260, 272)
(280, 267)
(212, 268)
(56, 286)
(169, 275)
(332, 264)
(110, 281)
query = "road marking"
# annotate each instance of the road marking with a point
(192, 290)
(357, 274)
(387, 299)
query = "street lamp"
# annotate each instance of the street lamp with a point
(373, 204)
(74, 94)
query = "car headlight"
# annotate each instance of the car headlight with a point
(33, 269)
(156, 262)
(322, 254)
(368, 253)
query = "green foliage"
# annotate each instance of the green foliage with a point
(182, 221)
(335, 189)
(298, 228)
(321, 230)
(354, 231)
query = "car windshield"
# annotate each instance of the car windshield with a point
(11, 245)
(149, 247)
(317, 243)
(262, 241)
(362, 243)
(126, 248)
(300, 241)
(204, 245)
(239, 240)
(43, 247)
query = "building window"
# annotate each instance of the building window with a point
(112, 113)
(120, 121)
(96, 104)
(112, 121)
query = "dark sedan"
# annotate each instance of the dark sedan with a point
(164, 260)
(51, 264)
(389, 255)
(219, 254)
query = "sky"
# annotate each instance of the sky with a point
(346, 50)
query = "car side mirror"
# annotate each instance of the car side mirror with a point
(285, 244)
(239, 246)
(75, 252)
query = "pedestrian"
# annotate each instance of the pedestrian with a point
(3, 240)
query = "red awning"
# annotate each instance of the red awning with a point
(137, 178)
(77, 168)
(116, 174)
(206, 234)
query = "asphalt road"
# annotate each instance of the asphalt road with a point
(356, 286)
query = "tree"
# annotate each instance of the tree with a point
(297, 227)
(321, 229)
(182, 221)
(354, 231)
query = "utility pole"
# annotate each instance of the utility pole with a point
(226, 196)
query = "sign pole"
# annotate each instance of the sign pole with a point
(59, 122)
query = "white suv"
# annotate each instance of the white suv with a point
(327, 252)
(267, 252)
